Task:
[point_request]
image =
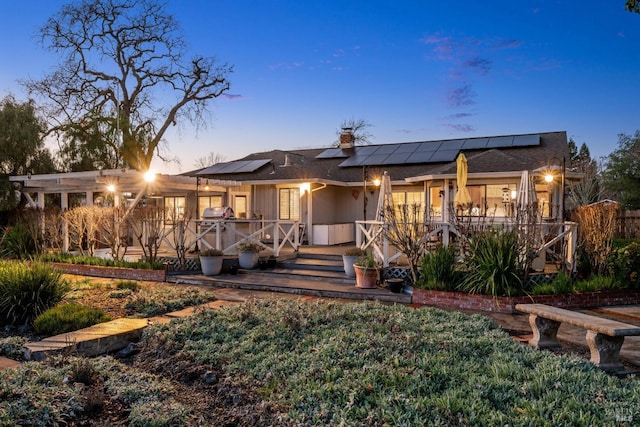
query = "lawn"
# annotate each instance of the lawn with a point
(277, 362)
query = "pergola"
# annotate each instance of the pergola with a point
(126, 186)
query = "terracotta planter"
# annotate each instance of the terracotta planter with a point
(366, 277)
(211, 265)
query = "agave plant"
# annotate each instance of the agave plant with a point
(492, 264)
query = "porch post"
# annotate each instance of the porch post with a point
(40, 200)
(309, 219)
(64, 205)
(89, 197)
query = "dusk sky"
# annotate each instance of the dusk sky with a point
(415, 70)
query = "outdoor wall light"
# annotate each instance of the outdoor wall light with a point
(111, 188)
(548, 178)
(149, 176)
(305, 187)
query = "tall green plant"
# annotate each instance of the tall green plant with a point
(438, 269)
(492, 264)
(27, 290)
(18, 243)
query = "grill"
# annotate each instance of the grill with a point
(224, 212)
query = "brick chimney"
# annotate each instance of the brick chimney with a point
(346, 138)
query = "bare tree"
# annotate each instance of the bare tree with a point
(180, 234)
(147, 225)
(83, 223)
(359, 131)
(406, 229)
(114, 231)
(209, 160)
(125, 59)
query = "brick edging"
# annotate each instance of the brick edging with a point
(507, 304)
(111, 272)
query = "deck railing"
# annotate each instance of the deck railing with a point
(229, 235)
(554, 240)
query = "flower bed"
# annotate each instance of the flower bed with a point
(507, 304)
(112, 272)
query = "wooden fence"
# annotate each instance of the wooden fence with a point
(628, 225)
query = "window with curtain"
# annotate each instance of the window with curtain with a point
(289, 204)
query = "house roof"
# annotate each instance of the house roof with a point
(346, 167)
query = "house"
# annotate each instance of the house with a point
(323, 196)
(329, 189)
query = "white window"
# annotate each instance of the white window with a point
(289, 203)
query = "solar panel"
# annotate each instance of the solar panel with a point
(386, 149)
(376, 159)
(475, 143)
(407, 148)
(424, 152)
(239, 166)
(444, 156)
(397, 159)
(355, 160)
(369, 149)
(500, 142)
(421, 157)
(526, 140)
(429, 146)
(331, 153)
(454, 144)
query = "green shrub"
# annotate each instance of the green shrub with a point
(27, 290)
(626, 265)
(67, 318)
(12, 347)
(102, 262)
(439, 270)
(563, 284)
(131, 285)
(153, 302)
(598, 283)
(18, 243)
(492, 265)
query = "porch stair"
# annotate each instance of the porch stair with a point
(319, 275)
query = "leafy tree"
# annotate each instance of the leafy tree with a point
(21, 139)
(124, 69)
(92, 144)
(633, 6)
(22, 147)
(359, 130)
(622, 173)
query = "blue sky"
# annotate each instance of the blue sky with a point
(415, 70)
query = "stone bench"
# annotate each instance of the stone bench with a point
(604, 336)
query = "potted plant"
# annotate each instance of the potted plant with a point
(349, 257)
(248, 257)
(211, 262)
(366, 269)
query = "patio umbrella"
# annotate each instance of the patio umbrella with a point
(526, 192)
(385, 198)
(462, 197)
